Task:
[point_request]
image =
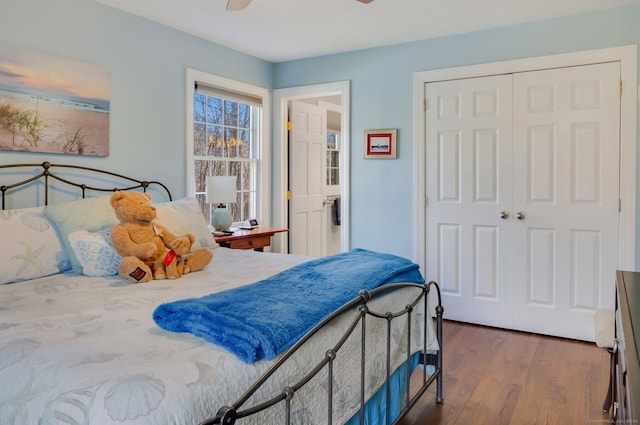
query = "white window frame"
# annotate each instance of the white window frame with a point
(263, 196)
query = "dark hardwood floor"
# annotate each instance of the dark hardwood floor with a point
(493, 376)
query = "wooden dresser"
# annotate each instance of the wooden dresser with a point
(627, 400)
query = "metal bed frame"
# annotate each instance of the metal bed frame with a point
(228, 415)
(48, 173)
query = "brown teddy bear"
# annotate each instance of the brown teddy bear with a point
(148, 249)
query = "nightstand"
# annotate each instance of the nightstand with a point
(255, 239)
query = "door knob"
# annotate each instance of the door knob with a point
(520, 215)
(504, 215)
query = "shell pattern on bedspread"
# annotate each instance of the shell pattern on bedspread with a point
(71, 408)
(133, 396)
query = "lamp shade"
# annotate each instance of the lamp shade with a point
(221, 189)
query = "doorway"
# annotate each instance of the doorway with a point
(334, 98)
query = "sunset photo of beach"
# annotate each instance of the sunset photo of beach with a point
(52, 104)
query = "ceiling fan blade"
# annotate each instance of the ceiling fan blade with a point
(365, 1)
(238, 4)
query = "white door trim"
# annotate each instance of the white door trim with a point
(627, 55)
(281, 149)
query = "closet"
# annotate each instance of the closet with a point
(522, 196)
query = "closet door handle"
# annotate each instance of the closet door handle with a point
(504, 215)
(520, 215)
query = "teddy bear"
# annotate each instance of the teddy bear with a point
(149, 250)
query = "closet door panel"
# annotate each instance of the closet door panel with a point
(566, 147)
(468, 185)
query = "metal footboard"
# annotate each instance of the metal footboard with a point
(228, 415)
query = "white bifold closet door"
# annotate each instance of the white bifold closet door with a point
(523, 197)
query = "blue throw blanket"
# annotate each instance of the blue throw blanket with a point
(263, 319)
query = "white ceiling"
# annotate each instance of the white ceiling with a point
(282, 30)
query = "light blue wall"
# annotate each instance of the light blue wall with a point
(382, 97)
(147, 63)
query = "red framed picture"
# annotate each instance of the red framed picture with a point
(380, 144)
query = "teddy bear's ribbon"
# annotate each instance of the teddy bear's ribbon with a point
(169, 257)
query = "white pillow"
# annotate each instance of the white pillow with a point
(184, 216)
(30, 247)
(94, 252)
(89, 214)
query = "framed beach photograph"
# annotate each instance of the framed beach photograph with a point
(52, 104)
(380, 144)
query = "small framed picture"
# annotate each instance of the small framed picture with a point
(253, 222)
(380, 144)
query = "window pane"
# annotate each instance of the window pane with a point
(335, 159)
(200, 145)
(214, 138)
(335, 177)
(331, 140)
(230, 143)
(244, 115)
(234, 210)
(214, 111)
(235, 169)
(248, 180)
(201, 173)
(230, 113)
(244, 144)
(246, 211)
(199, 103)
(218, 168)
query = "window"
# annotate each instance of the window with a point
(333, 158)
(226, 139)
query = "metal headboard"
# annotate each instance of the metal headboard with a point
(48, 172)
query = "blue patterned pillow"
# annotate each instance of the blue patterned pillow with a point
(90, 214)
(94, 252)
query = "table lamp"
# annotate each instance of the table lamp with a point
(221, 190)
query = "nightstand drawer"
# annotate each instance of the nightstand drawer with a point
(253, 243)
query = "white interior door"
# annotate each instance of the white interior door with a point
(307, 158)
(522, 198)
(468, 185)
(566, 169)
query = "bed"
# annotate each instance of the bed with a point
(79, 344)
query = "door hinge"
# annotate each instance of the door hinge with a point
(289, 195)
(619, 205)
(424, 104)
(620, 87)
(289, 125)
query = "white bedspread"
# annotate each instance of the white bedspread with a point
(82, 350)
